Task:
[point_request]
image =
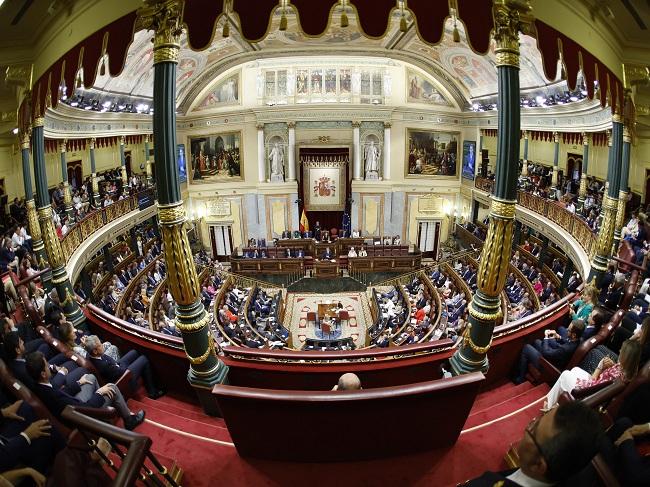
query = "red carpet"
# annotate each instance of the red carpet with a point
(200, 445)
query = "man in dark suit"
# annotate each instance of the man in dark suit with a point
(26, 440)
(89, 393)
(112, 371)
(556, 351)
(553, 448)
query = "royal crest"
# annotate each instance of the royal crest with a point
(324, 186)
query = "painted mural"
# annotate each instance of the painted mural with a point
(421, 90)
(431, 153)
(216, 158)
(226, 92)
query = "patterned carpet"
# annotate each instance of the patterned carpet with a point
(299, 304)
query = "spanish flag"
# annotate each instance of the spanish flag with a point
(304, 223)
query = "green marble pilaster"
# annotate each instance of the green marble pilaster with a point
(32, 218)
(67, 195)
(582, 193)
(622, 188)
(52, 243)
(485, 310)
(192, 321)
(93, 169)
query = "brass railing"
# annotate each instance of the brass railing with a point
(570, 222)
(96, 220)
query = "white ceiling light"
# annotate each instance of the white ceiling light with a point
(15, 131)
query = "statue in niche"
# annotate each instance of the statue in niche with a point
(371, 157)
(276, 156)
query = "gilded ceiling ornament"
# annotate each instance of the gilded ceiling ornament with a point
(510, 16)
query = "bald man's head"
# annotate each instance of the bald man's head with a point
(348, 382)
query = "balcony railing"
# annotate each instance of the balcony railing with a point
(96, 220)
(570, 222)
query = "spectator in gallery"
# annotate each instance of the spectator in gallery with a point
(352, 252)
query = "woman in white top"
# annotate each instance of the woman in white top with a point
(352, 252)
(362, 252)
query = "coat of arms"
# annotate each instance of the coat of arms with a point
(324, 186)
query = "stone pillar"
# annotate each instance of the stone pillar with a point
(556, 159)
(67, 194)
(474, 215)
(623, 187)
(125, 180)
(582, 192)
(386, 174)
(356, 148)
(147, 163)
(542, 252)
(291, 170)
(32, 218)
(94, 179)
(261, 153)
(192, 321)
(485, 309)
(524, 166)
(610, 204)
(52, 243)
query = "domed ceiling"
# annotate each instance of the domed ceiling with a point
(465, 74)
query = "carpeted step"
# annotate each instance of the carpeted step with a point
(508, 406)
(184, 410)
(181, 423)
(499, 394)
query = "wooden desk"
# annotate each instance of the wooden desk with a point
(327, 310)
(247, 266)
(326, 269)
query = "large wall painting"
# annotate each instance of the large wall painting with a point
(431, 153)
(421, 90)
(216, 158)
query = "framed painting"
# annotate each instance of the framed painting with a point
(469, 159)
(431, 153)
(226, 92)
(216, 158)
(182, 166)
(324, 185)
(421, 90)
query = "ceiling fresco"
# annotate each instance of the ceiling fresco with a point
(474, 75)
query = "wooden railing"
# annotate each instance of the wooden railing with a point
(127, 295)
(568, 221)
(96, 220)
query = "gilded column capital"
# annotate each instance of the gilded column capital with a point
(291, 125)
(356, 124)
(586, 138)
(617, 117)
(556, 137)
(24, 140)
(63, 145)
(609, 137)
(39, 122)
(259, 126)
(93, 140)
(526, 134)
(510, 16)
(387, 125)
(627, 136)
(122, 140)
(164, 18)
(146, 138)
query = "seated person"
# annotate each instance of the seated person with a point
(348, 382)
(363, 252)
(327, 255)
(89, 394)
(26, 441)
(626, 369)
(112, 370)
(554, 447)
(558, 351)
(633, 469)
(352, 252)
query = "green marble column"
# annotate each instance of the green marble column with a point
(123, 163)
(485, 309)
(52, 243)
(582, 193)
(93, 169)
(67, 195)
(622, 187)
(32, 218)
(147, 161)
(610, 204)
(192, 321)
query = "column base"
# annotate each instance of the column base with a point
(460, 365)
(66, 295)
(203, 384)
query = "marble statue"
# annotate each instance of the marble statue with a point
(276, 156)
(371, 156)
